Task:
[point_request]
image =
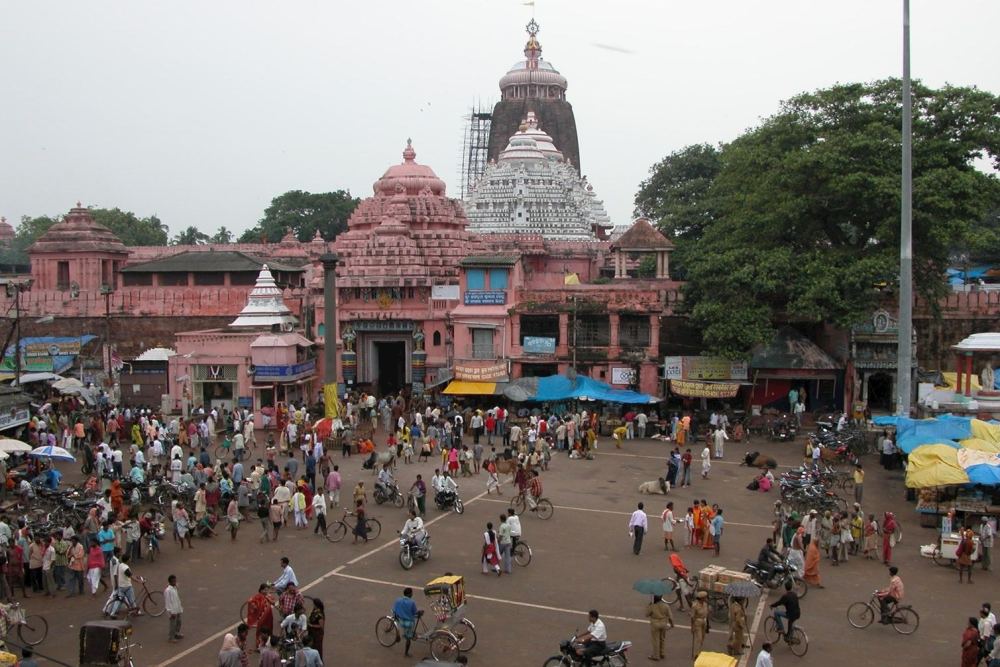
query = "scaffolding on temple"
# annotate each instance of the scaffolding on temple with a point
(475, 147)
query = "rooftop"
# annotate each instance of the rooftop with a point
(78, 232)
(265, 307)
(212, 261)
(489, 260)
(642, 236)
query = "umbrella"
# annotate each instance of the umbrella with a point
(12, 446)
(742, 589)
(4, 456)
(67, 384)
(652, 587)
(52, 452)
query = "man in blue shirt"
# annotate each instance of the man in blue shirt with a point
(54, 478)
(717, 524)
(404, 610)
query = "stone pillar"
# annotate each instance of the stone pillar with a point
(562, 349)
(614, 320)
(968, 374)
(515, 334)
(618, 264)
(666, 265)
(959, 369)
(654, 336)
(329, 261)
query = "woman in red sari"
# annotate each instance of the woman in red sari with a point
(970, 644)
(259, 615)
(888, 528)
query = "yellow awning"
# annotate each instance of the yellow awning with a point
(466, 388)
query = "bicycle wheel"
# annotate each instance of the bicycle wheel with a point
(517, 503)
(860, 615)
(397, 500)
(522, 554)
(544, 509)
(444, 646)
(337, 532)
(771, 629)
(153, 604)
(941, 560)
(718, 610)
(34, 630)
(798, 642)
(674, 596)
(905, 621)
(222, 453)
(465, 631)
(243, 611)
(386, 631)
(374, 528)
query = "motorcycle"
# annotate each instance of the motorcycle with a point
(389, 493)
(615, 654)
(780, 573)
(411, 549)
(447, 500)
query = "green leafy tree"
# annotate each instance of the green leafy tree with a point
(222, 236)
(303, 213)
(803, 214)
(190, 236)
(676, 196)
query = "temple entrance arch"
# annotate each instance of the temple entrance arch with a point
(390, 366)
(880, 391)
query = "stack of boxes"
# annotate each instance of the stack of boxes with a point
(715, 577)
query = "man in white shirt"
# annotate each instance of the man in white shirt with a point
(436, 481)
(514, 521)
(594, 639)
(641, 419)
(637, 525)
(764, 657)
(176, 452)
(172, 603)
(287, 577)
(414, 528)
(719, 438)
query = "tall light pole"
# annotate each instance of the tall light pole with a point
(329, 261)
(904, 372)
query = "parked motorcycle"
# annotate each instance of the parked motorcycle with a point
(390, 493)
(780, 573)
(615, 654)
(412, 549)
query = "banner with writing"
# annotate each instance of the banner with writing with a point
(691, 389)
(491, 373)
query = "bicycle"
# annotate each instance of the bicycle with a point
(339, 530)
(444, 644)
(150, 602)
(521, 553)
(796, 638)
(903, 619)
(543, 507)
(224, 453)
(32, 629)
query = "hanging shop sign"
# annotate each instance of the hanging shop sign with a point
(491, 373)
(51, 349)
(485, 297)
(704, 368)
(690, 389)
(622, 375)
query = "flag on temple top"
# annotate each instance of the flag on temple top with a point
(571, 279)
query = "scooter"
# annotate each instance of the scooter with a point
(410, 550)
(615, 654)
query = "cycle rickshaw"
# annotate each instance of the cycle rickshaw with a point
(452, 633)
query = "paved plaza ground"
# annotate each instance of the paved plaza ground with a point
(582, 559)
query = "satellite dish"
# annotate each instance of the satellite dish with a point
(74, 289)
(287, 327)
(251, 369)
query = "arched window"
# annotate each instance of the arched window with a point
(436, 339)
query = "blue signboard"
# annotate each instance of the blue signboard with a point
(245, 401)
(285, 372)
(539, 345)
(486, 297)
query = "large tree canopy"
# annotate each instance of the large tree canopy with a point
(798, 219)
(130, 228)
(191, 236)
(303, 213)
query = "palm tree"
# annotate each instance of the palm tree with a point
(190, 236)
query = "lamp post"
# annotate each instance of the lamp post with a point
(904, 344)
(107, 291)
(329, 261)
(14, 289)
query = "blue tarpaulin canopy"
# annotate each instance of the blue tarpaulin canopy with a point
(561, 388)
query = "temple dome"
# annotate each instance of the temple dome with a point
(531, 139)
(78, 232)
(265, 306)
(410, 177)
(6, 232)
(533, 70)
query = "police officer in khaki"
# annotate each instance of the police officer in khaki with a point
(658, 613)
(699, 622)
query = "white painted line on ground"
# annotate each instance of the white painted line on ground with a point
(663, 458)
(516, 603)
(302, 589)
(758, 615)
(616, 512)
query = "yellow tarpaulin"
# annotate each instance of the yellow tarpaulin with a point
(934, 465)
(950, 378)
(985, 431)
(465, 388)
(981, 445)
(571, 279)
(712, 659)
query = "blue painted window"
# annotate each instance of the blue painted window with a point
(498, 278)
(475, 279)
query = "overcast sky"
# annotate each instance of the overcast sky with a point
(202, 112)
